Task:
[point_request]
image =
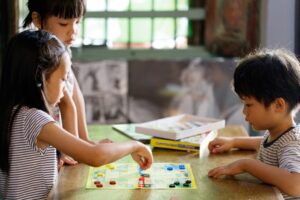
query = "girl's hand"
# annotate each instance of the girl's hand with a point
(143, 156)
(221, 145)
(230, 169)
(64, 159)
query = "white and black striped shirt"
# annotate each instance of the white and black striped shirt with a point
(32, 170)
(283, 152)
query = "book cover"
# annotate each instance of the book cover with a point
(191, 144)
(180, 126)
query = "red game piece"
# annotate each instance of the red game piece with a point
(112, 182)
(97, 182)
(99, 185)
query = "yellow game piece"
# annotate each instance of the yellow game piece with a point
(100, 174)
(110, 166)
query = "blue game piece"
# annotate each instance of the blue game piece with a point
(170, 168)
(181, 167)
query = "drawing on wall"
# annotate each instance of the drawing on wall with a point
(104, 87)
(196, 93)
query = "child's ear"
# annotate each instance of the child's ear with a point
(36, 20)
(280, 104)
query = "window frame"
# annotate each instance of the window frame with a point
(93, 53)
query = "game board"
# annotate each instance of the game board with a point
(130, 176)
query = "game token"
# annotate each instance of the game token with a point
(186, 185)
(171, 186)
(188, 181)
(176, 183)
(181, 167)
(145, 175)
(100, 174)
(97, 182)
(170, 168)
(110, 166)
(99, 185)
(112, 182)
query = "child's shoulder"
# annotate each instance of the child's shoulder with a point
(32, 113)
(291, 136)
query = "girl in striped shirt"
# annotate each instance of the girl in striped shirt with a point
(33, 79)
(268, 83)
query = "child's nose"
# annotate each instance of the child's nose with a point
(73, 29)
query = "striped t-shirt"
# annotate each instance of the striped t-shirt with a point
(283, 152)
(32, 170)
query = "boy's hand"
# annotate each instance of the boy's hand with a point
(143, 156)
(220, 145)
(230, 169)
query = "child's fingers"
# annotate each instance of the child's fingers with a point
(69, 161)
(216, 172)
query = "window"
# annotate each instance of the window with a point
(140, 29)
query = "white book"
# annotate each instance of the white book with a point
(180, 126)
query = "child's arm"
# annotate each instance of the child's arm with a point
(68, 113)
(284, 180)
(224, 144)
(93, 154)
(79, 103)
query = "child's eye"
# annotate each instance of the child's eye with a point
(63, 24)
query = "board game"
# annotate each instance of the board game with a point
(130, 176)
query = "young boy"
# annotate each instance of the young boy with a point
(268, 83)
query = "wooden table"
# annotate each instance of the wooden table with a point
(72, 179)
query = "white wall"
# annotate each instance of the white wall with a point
(278, 24)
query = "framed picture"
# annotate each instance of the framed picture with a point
(232, 26)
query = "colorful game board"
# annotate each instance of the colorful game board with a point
(130, 176)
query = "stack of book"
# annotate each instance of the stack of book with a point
(181, 132)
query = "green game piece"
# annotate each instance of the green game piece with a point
(146, 175)
(176, 183)
(186, 185)
(171, 186)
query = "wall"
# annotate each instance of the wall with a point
(278, 24)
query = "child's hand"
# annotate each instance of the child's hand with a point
(220, 145)
(230, 169)
(106, 140)
(143, 156)
(64, 159)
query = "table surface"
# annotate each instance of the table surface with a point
(72, 179)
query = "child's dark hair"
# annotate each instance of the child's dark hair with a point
(30, 58)
(60, 8)
(267, 75)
